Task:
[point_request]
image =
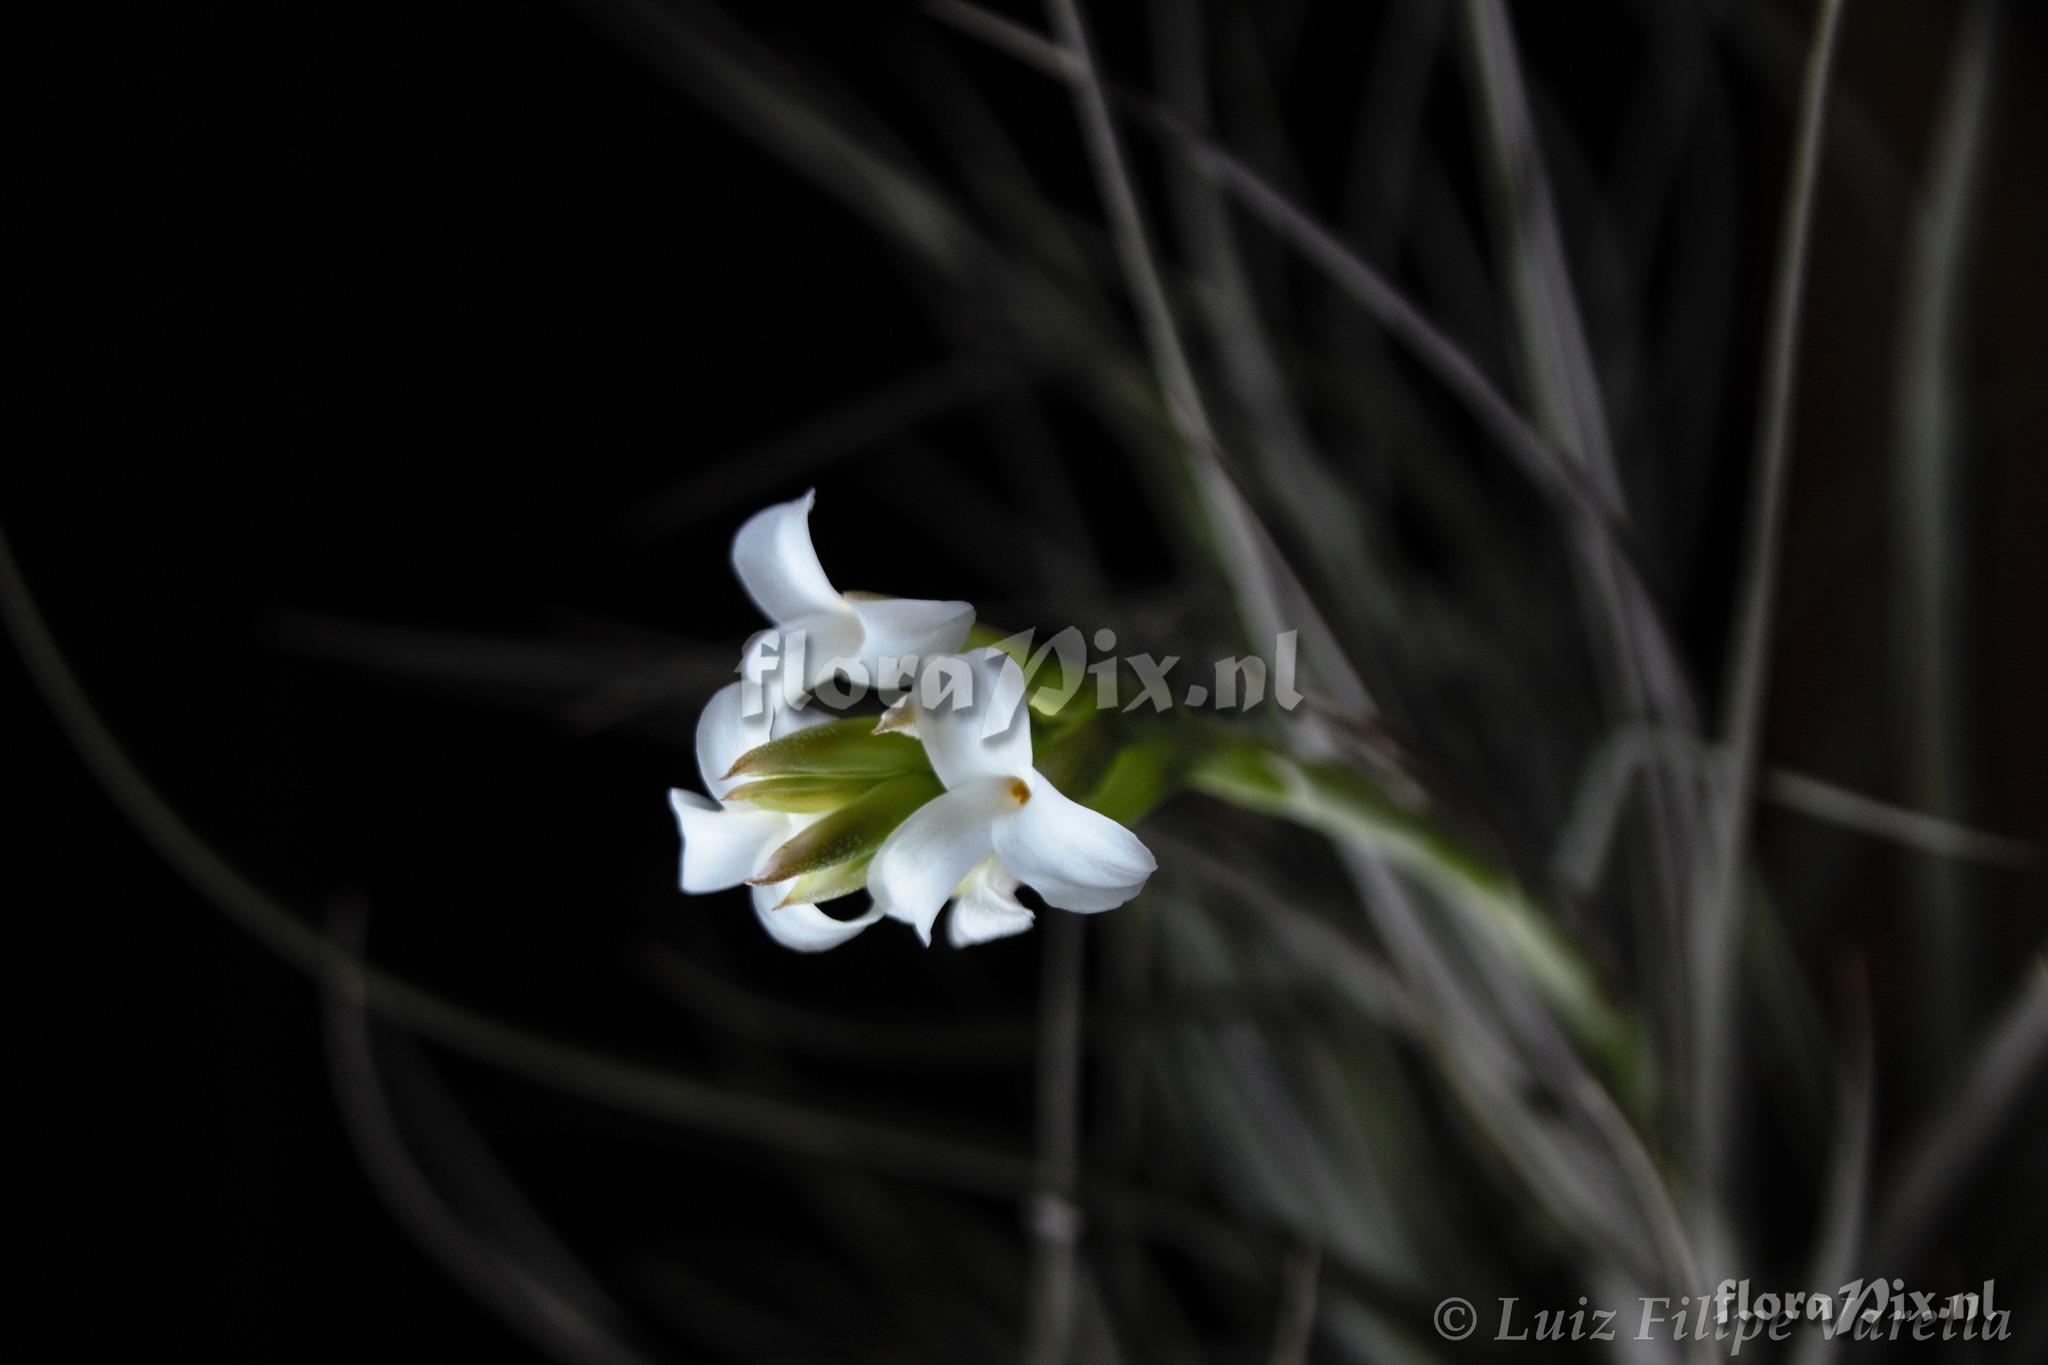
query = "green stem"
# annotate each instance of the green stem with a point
(1341, 804)
(1124, 766)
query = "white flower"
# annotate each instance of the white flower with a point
(997, 804)
(724, 845)
(779, 568)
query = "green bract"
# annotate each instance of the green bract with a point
(839, 748)
(830, 883)
(800, 794)
(854, 831)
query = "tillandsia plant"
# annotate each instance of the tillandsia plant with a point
(975, 777)
(1616, 906)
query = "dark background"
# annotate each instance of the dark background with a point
(404, 316)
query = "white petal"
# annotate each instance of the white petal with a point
(921, 862)
(985, 907)
(805, 928)
(724, 732)
(778, 566)
(1078, 859)
(988, 737)
(790, 659)
(789, 720)
(907, 627)
(723, 848)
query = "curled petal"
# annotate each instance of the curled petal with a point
(725, 731)
(805, 928)
(985, 907)
(905, 627)
(989, 736)
(926, 856)
(1078, 859)
(722, 848)
(777, 565)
